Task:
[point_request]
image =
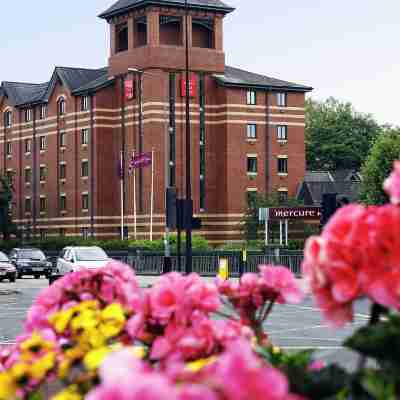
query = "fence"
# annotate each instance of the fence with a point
(205, 263)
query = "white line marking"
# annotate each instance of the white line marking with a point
(311, 347)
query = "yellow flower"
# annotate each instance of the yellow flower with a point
(197, 365)
(70, 393)
(95, 358)
(87, 319)
(41, 367)
(113, 320)
(7, 386)
(61, 320)
(20, 373)
(34, 345)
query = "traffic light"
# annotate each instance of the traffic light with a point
(328, 207)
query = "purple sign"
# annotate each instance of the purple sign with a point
(140, 161)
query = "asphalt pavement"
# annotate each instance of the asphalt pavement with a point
(292, 327)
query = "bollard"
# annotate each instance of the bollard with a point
(243, 263)
(223, 269)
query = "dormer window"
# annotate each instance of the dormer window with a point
(7, 119)
(61, 106)
(140, 31)
(84, 103)
(28, 115)
(121, 37)
(171, 30)
(203, 33)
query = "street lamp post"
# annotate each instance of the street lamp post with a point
(189, 203)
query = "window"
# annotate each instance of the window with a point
(63, 202)
(251, 164)
(251, 197)
(28, 175)
(283, 196)
(85, 233)
(251, 97)
(281, 99)
(85, 201)
(42, 142)
(62, 232)
(61, 106)
(10, 175)
(28, 205)
(8, 119)
(43, 234)
(282, 165)
(282, 132)
(84, 103)
(85, 136)
(251, 131)
(203, 33)
(42, 204)
(43, 111)
(140, 31)
(63, 139)
(28, 145)
(42, 173)
(85, 169)
(9, 149)
(63, 170)
(122, 37)
(28, 115)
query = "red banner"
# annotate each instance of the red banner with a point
(129, 89)
(192, 86)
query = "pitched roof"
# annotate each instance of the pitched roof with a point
(318, 176)
(240, 78)
(21, 94)
(122, 6)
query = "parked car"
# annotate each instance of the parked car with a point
(7, 269)
(30, 262)
(74, 259)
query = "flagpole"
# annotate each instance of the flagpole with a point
(122, 195)
(134, 200)
(152, 195)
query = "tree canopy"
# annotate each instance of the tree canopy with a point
(7, 227)
(378, 166)
(337, 136)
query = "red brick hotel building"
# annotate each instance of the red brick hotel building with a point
(62, 139)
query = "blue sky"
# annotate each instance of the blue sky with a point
(346, 49)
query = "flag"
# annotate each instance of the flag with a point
(129, 89)
(140, 161)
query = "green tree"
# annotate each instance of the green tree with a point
(7, 227)
(378, 166)
(337, 136)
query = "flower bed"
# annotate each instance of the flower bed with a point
(96, 335)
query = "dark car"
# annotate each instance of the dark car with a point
(30, 262)
(7, 269)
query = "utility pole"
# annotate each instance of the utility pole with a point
(189, 203)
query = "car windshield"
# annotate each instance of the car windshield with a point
(3, 257)
(91, 254)
(31, 254)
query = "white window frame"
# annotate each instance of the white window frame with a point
(43, 197)
(251, 156)
(43, 111)
(61, 106)
(63, 134)
(85, 195)
(86, 162)
(85, 136)
(63, 164)
(28, 145)
(9, 148)
(42, 141)
(42, 167)
(63, 196)
(283, 157)
(85, 103)
(251, 97)
(281, 99)
(249, 131)
(8, 119)
(28, 114)
(282, 129)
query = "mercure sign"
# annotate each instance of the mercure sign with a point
(294, 213)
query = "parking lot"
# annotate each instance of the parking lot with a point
(293, 327)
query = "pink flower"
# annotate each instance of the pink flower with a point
(392, 184)
(197, 392)
(316, 365)
(281, 283)
(243, 376)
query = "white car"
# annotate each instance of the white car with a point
(74, 259)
